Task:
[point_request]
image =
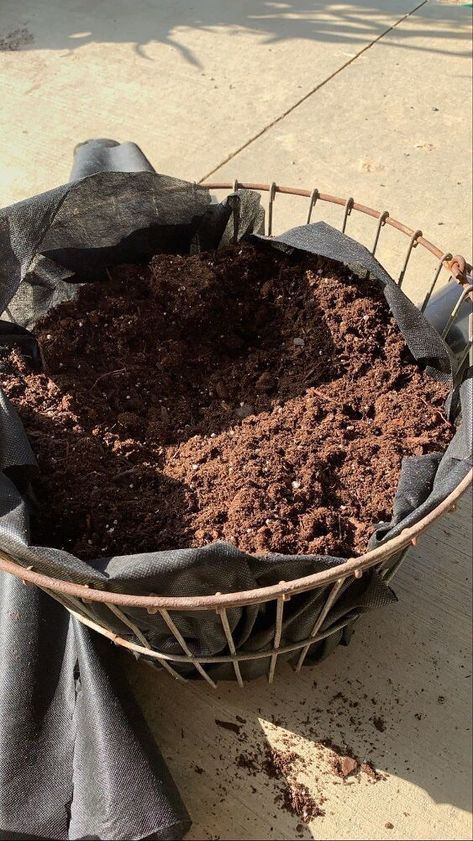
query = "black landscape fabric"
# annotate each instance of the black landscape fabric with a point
(65, 715)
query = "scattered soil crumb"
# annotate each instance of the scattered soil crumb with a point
(344, 763)
(279, 763)
(348, 765)
(297, 799)
(281, 766)
(250, 762)
(229, 725)
(371, 772)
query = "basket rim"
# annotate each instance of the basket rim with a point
(285, 589)
(223, 601)
(456, 264)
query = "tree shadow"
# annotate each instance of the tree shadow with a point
(147, 22)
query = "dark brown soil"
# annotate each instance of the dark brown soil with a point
(249, 762)
(347, 765)
(379, 723)
(281, 766)
(246, 396)
(229, 725)
(371, 772)
(297, 799)
(344, 763)
(278, 763)
(293, 796)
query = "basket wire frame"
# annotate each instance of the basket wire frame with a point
(77, 598)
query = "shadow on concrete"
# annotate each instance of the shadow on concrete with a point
(145, 22)
(397, 696)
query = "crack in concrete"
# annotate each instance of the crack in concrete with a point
(310, 93)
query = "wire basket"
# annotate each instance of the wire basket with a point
(386, 559)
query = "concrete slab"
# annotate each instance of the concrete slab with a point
(408, 664)
(187, 81)
(192, 84)
(393, 130)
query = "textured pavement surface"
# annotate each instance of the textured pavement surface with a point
(369, 99)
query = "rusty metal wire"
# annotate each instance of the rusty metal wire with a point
(386, 559)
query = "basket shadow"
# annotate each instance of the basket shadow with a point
(397, 697)
(88, 499)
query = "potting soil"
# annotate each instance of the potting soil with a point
(245, 395)
(85, 732)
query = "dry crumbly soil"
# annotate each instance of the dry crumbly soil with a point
(284, 764)
(244, 395)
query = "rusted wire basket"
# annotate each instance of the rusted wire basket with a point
(386, 559)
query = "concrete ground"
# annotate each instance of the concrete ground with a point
(370, 99)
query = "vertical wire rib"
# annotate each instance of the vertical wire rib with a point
(9, 313)
(142, 639)
(413, 244)
(464, 295)
(390, 573)
(312, 202)
(348, 208)
(381, 223)
(323, 613)
(277, 637)
(178, 636)
(468, 352)
(235, 205)
(71, 601)
(79, 605)
(439, 268)
(272, 193)
(234, 201)
(231, 645)
(131, 625)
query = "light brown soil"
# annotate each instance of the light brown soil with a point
(245, 396)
